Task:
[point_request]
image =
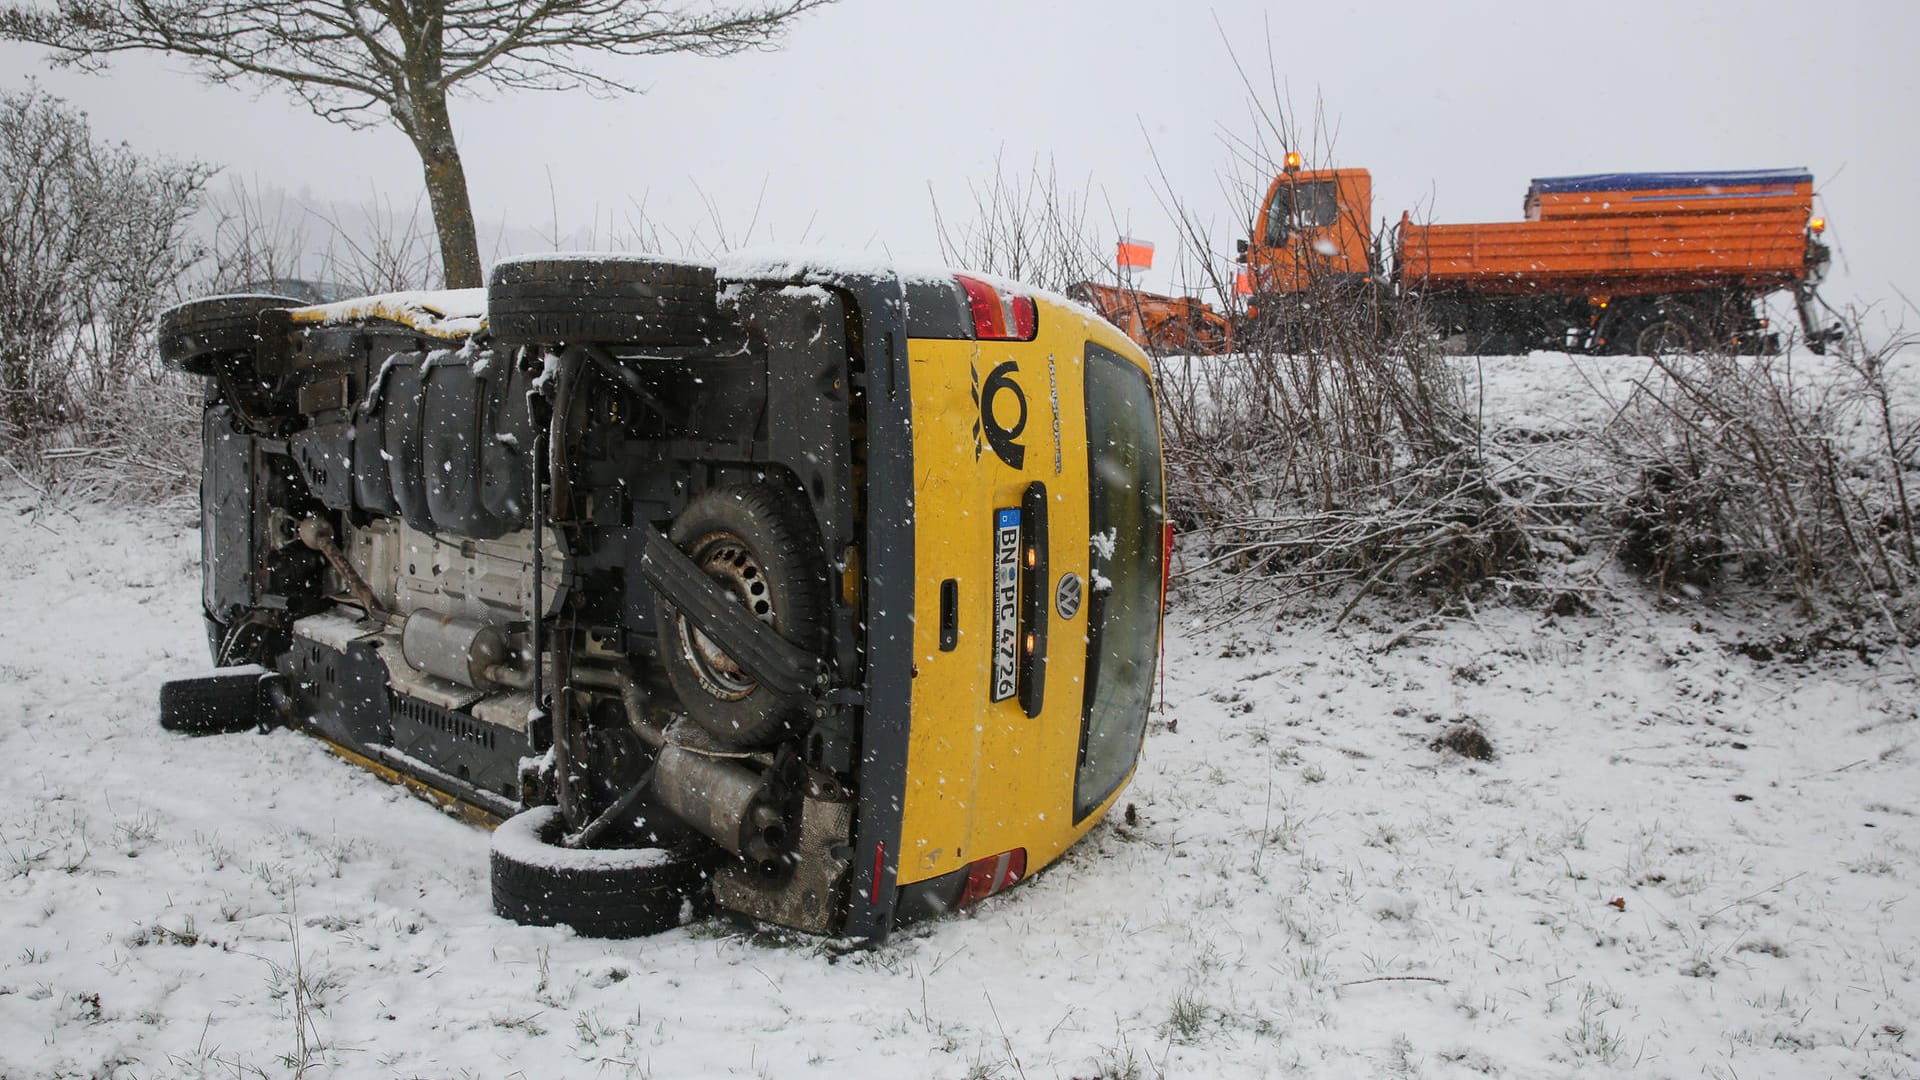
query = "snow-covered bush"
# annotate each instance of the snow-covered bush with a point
(1335, 455)
(96, 240)
(1343, 469)
(93, 240)
(1337, 448)
(1753, 471)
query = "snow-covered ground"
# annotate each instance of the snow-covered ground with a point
(1678, 863)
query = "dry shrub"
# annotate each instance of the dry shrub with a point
(1027, 228)
(1465, 739)
(1751, 472)
(86, 410)
(1349, 459)
(1671, 524)
(1336, 450)
(139, 443)
(91, 241)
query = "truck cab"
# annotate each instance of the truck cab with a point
(1312, 227)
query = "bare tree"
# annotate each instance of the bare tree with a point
(351, 60)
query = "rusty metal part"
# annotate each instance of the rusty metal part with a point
(560, 478)
(810, 898)
(632, 697)
(318, 535)
(620, 808)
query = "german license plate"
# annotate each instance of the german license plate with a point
(1006, 603)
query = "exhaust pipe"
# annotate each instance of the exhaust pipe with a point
(737, 808)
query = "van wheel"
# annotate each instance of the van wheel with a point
(193, 334)
(600, 892)
(571, 299)
(226, 701)
(761, 545)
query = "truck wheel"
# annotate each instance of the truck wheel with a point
(762, 546)
(194, 333)
(1664, 329)
(567, 299)
(604, 893)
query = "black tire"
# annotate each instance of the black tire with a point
(1664, 329)
(1611, 336)
(195, 333)
(575, 299)
(603, 893)
(226, 701)
(761, 544)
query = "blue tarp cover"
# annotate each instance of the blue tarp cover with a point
(1643, 181)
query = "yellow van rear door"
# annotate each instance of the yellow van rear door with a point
(1001, 560)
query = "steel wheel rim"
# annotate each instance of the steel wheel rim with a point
(728, 561)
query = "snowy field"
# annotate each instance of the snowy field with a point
(1678, 863)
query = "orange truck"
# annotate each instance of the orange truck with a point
(1608, 263)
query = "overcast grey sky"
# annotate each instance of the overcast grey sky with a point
(1453, 106)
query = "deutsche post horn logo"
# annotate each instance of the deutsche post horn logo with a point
(1003, 438)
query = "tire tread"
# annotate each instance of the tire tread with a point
(587, 299)
(601, 902)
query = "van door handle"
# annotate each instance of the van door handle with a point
(1033, 599)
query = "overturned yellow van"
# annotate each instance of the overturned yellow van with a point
(829, 595)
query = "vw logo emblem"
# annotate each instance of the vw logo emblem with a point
(1066, 597)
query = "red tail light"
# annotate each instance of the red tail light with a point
(997, 317)
(1166, 562)
(992, 874)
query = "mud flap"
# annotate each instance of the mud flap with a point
(1818, 337)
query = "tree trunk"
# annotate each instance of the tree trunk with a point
(431, 129)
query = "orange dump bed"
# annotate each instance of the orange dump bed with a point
(1628, 233)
